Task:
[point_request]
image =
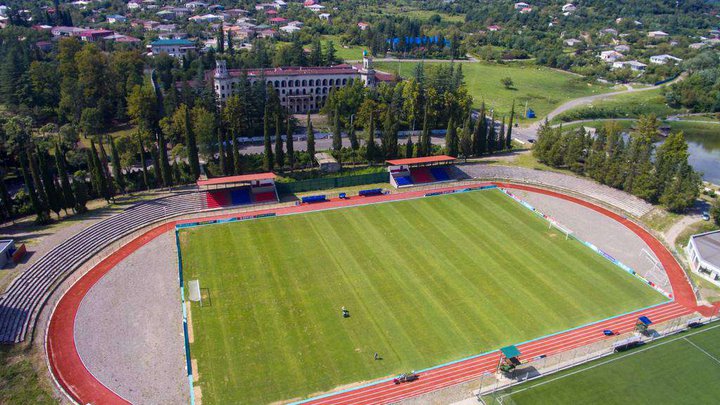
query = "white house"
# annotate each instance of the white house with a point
(290, 28)
(521, 5)
(572, 42)
(663, 59)
(195, 5)
(703, 253)
(569, 8)
(658, 34)
(611, 56)
(115, 18)
(633, 65)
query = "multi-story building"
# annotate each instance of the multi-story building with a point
(173, 47)
(301, 89)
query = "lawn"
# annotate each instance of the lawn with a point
(426, 281)
(678, 370)
(628, 105)
(352, 52)
(543, 89)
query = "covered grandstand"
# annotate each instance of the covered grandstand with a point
(223, 192)
(421, 170)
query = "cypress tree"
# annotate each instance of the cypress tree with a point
(221, 40)
(157, 171)
(424, 145)
(37, 180)
(390, 136)
(41, 216)
(508, 137)
(371, 147)
(79, 188)
(221, 151)
(68, 196)
(337, 134)
(5, 197)
(268, 160)
(106, 170)
(279, 153)
(352, 136)
(451, 138)
(501, 136)
(290, 145)
(164, 163)
(193, 158)
(117, 166)
(99, 178)
(141, 152)
(54, 200)
(409, 147)
(310, 138)
(236, 161)
(491, 136)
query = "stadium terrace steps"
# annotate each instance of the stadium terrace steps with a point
(599, 192)
(268, 196)
(403, 181)
(217, 199)
(421, 175)
(23, 297)
(439, 173)
(240, 196)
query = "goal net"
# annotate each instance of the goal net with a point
(194, 291)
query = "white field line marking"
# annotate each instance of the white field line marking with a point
(615, 359)
(702, 350)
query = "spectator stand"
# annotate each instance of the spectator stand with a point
(420, 171)
(247, 189)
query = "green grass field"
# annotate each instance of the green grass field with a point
(426, 281)
(542, 88)
(628, 105)
(683, 369)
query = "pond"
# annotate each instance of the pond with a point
(704, 149)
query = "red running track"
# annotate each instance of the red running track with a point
(71, 374)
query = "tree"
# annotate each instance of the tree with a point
(41, 216)
(221, 151)
(310, 138)
(68, 196)
(237, 163)
(141, 152)
(316, 56)
(221, 39)
(507, 82)
(409, 147)
(466, 144)
(164, 163)
(54, 199)
(424, 144)
(337, 134)
(279, 153)
(330, 58)
(508, 137)
(715, 211)
(117, 167)
(451, 142)
(268, 161)
(289, 145)
(193, 158)
(90, 122)
(80, 190)
(98, 178)
(7, 204)
(390, 135)
(679, 184)
(480, 133)
(371, 151)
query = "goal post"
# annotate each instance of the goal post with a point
(561, 228)
(194, 291)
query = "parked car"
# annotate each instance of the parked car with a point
(706, 216)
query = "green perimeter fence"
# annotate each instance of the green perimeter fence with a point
(331, 182)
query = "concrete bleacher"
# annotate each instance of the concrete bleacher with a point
(617, 198)
(22, 299)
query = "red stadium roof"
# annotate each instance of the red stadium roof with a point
(236, 179)
(421, 160)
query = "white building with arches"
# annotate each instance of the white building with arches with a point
(301, 89)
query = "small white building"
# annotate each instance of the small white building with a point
(658, 34)
(521, 5)
(664, 59)
(572, 42)
(611, 56)
(632, 64)
(569, 8)
(703, 253)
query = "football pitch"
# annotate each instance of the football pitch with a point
(682, 369)
(426, 281)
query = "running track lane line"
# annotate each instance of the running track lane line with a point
(83, 387)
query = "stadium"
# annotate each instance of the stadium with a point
(232, 292)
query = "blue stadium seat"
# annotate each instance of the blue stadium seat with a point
(314, 198)
(240, 196)
(403, 181)
(369, 192)
(439, 173)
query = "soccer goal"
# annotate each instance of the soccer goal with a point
(561, 228)
(194, 294)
